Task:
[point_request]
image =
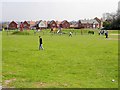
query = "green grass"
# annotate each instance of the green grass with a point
(81, 61)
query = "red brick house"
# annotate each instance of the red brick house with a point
(76, 25)
(73, 24)
(32, 23)
(41, 24)
(65, 24)
(52, 24)
(58, 23)
(26, 25)
(90, 23)
(13, 25)
(99, 21)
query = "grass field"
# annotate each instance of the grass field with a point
(81, 61)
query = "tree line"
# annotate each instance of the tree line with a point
(112, 23)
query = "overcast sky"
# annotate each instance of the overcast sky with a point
(20, 10)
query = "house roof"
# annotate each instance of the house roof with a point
(73, 22)
(49, 22)
(26, 22)
(14, 22)
(64, 21)
(90, 21)
(98, 20)
(38, 22)
(32, 23)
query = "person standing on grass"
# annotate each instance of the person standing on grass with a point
(40, 43)
(106, 34)
(70, 34)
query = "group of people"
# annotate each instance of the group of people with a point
(70, 34)
(40, 42)
(102, 32)
(55, 30)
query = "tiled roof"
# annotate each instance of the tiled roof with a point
(90, 21)
(64, 21)
(14, 22)
(49, 22)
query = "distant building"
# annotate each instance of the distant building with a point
(26, 25)
(5, 25)
(89, 23)
(86, 23)
(65, 24)
(58, 23)
(52, 24)
(100, 24)
(73, 24)
(13, 25)
(31, 23)
(40, 24)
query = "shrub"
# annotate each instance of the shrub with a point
(90, 32)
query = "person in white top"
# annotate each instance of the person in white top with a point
(70, 34)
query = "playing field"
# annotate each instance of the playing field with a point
(81, 61)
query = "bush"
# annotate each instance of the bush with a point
(90, 32)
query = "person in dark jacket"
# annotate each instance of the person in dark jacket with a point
(106, 34)
(40, 43)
